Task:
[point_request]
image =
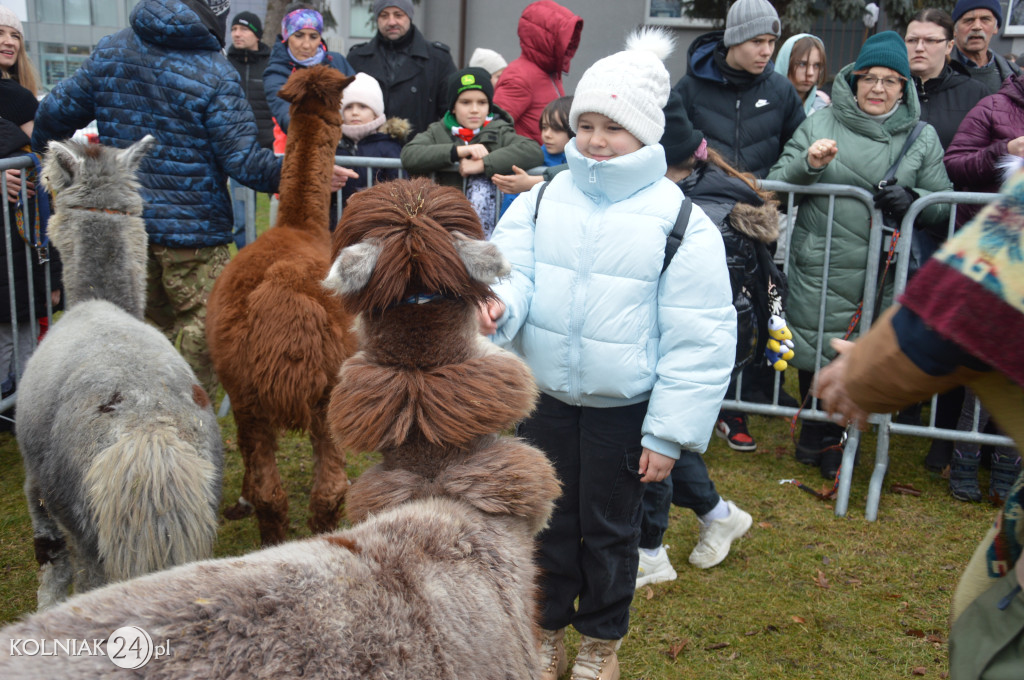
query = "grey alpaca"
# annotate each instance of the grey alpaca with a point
(122, 452)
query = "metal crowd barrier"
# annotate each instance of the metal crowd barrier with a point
(249, 195)
(884, 423)
(17, 362)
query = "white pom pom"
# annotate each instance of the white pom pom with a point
(652, 39)
(1009, 165)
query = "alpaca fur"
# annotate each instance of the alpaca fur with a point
(277, 338)
(122, 451)
(436, 587)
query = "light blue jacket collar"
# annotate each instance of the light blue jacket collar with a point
(618, 178)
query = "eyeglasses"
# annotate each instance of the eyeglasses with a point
(806, 65)
(888, 82)
(929, 42)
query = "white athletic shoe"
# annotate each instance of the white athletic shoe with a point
(655, 569)
(717, 536)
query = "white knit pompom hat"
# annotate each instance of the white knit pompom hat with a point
(630, 87)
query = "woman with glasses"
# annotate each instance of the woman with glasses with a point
(945, 95)
(854, 142)
(802, 59)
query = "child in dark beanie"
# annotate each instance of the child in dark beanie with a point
(477, 136)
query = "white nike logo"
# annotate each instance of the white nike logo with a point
(760, 103)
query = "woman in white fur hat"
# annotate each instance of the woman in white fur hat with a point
(616, 344)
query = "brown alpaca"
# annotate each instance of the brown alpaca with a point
(429, 392)
(425, 386)
(276, 336)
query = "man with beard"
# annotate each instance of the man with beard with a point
(411, 70)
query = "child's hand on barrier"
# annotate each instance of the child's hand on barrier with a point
(516, 183)
(830, 388)
(655, 466)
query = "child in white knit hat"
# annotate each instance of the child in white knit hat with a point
(366, 132)
(632, 359)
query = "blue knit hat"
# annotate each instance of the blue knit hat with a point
(884, 49)
(965, 6)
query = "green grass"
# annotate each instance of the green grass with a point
(805, 594)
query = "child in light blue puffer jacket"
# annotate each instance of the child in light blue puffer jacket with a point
(632, 361)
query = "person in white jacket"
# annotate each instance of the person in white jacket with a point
(632, 361)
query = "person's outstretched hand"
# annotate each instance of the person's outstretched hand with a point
(830, 388)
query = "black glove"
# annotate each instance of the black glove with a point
(894, 200)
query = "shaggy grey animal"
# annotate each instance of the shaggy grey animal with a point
(122, 452)
(440, 586)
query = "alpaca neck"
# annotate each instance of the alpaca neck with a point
(107, 260)
(305, 187)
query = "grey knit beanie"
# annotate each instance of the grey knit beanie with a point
(750, 18)
(380, 5)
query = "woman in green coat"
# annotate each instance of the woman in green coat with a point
(476, 135)
(854, 142)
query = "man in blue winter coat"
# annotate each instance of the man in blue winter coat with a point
(165, 75)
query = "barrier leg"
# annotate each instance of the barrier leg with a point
(846, 472)
(881, 466)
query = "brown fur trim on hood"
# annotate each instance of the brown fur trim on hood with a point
(505, 476)
(397, 128)
(760, 223)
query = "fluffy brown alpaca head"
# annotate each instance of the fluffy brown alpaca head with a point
(411, 237)
(316, 91)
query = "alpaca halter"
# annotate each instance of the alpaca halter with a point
(420, 299)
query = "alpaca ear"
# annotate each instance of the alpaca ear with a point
(353, 268)
(483, 260)
(133, 155)
(60, 165)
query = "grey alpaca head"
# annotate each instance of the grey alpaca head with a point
(97, 224)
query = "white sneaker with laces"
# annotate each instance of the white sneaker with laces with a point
(654, 569)
(717, 536)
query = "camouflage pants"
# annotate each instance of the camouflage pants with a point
(178, 285)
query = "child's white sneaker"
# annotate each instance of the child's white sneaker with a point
(654, 569)
(717, 536)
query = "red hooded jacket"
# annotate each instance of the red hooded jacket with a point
(548, 37)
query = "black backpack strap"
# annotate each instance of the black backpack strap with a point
(678, 231)
(540, 195)
(911, 138)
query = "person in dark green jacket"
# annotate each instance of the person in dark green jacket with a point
(477, 136)
(853, 142)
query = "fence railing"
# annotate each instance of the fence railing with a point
(13, 368)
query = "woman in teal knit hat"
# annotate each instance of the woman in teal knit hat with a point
(855, 142)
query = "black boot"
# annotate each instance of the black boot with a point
(963, 477)
(1005, 469)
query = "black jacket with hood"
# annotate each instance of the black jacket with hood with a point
(748, 226)
(748, 120)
